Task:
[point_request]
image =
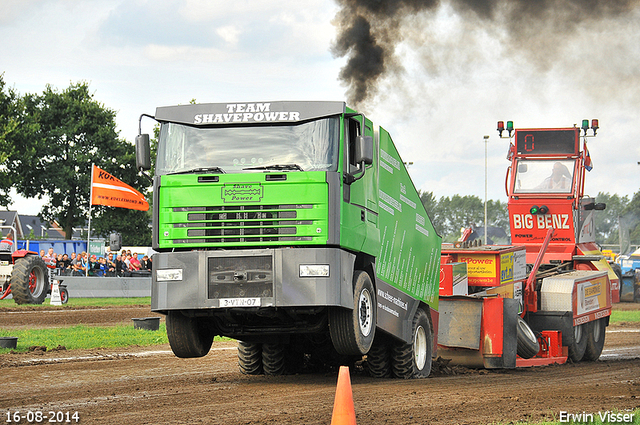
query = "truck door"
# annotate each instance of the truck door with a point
(360, 207)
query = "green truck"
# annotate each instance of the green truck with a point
(294, 228)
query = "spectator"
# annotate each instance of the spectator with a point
(111, 265)
(59, 265)
(93, 265)
(50, 258)
(134, 263)
(121, 266)
(146, 263)
(42, 253)
(7, 243)
(65, 265)
(80, 265)
(100, 267)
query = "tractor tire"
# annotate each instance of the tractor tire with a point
(64, 295)
(413, 360)
(595, 340)
(379, 359)
(579, 344)
(188, 336)
(353, 330)
(29, 280)
(528, 345)
(250, 358)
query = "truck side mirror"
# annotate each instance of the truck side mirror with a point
(143, 152)
(364, 149)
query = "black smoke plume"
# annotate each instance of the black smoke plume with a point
(369, 30)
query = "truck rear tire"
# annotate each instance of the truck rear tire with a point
(528, 345)
(188, 336)
(379, 359)
(579, 344)
(273, 358)
(352, 330)
(413, 360)
(29, 280)
(595, 340)
(250, 358)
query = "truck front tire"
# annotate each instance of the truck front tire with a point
(29, 280)
(352, 331)
(413, 360)
(188, 336)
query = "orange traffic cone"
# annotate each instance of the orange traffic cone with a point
(343, 410)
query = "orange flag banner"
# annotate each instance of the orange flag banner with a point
(108, 190)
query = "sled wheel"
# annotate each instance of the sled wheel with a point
(352, 331)
(64, 295)
(595, 340)
(250, 358)
(379, 359)
(29, 280)
(414, 360)
(528, 345)
(579, 344)
(188, 336)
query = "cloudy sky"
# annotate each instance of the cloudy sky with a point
(453, 72)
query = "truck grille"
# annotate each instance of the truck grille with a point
(244, 223)
(240, 277)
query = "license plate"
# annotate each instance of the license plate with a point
(239, 302)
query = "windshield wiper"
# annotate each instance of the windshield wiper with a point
(217, 170)
(276, 167)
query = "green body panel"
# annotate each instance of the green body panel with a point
(242, 210)
(357, 234)
(410, 247)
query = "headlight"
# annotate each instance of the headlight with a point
(314, 270)
(169, 274)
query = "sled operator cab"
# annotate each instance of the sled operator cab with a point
(545, 186)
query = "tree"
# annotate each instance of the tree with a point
(63, 133)
(607, 222)
(9, 115)
(449, 215)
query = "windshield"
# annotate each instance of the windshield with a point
(544, 176)
(310, 146)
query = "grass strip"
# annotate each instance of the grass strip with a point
(625, 316)
(81, 302)
(85, 337)
(88, 337)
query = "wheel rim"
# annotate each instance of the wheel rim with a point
(420, 347)
(597, 328)
(36, 282)
(364, 312)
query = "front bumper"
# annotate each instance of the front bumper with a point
(270, 277)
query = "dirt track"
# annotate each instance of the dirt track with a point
(150, 385)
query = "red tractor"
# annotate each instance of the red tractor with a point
(25, 275)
